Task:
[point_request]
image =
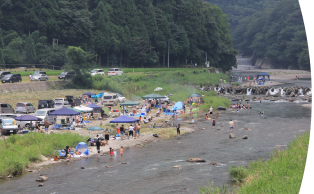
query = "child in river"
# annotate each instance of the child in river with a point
(121, 151)
(111, 152)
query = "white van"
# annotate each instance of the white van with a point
(43, 114)
(61, 102)
(110, 99)
(115, 71)
(97, 72)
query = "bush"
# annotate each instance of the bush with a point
(238, 173)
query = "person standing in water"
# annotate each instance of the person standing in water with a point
(98, 147)
(111, 152)
(178, 130)
(260, 100)
(121, 151)
(214, 122)
(211, 111)
(231, 125)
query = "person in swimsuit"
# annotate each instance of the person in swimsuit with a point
(107, 135)
(178, 130)
(121, 151)
(118, 129)
(98, 146)
(214, 122)
(111, 152)
(67, 152)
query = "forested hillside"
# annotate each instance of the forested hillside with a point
(124, 33)
(271, 29)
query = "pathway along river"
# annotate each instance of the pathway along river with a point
(150, 169)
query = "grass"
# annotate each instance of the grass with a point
(18, 151)
(282, 173)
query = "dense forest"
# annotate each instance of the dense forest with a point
(269, 29)
(124, 33)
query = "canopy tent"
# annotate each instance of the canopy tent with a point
(89, 93)
(153, 96)
(27, 118)
(178, 105)
(82, 147)
(84, 108)
(74, 109)
(95, 107)
(129, 103)
(124, 119)
(263, 74)
(95, 128)
(195, 95)
(64, 111)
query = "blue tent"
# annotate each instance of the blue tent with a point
(89, 93)
(263, 74)
(124, 119)
(64, 111)
(94, 106)
(82, 147)
(178, 105)
(27, 118)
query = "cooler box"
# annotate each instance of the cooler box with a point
(134, 111)
(142, 114)
(26, 131)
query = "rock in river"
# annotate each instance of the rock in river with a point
(42, 179)
(232, 136)
(196, 160)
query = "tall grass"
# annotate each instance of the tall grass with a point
(17, 152)
(282, 173)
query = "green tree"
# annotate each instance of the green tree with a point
(1, 49)
(30, 51)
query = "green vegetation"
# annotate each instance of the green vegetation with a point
(133, 33)
(18, 151)
(214, 101)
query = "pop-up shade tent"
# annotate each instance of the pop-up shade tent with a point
(263, 74)
(27, 118)
(195, 95)
(82, 147)
(95, 107)
(178, 105)
(129, 103)
(95, 128)
(124, 119)
(64, 111)
(74, 109)
(84, 108)
(153, 96)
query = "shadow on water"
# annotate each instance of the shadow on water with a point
(151, 169)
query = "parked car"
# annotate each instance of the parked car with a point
(66, 75)
(44, 115)
(61, 102)
(121, 98)
(45, 104)
(11, 78)
(6, 108)
(97, 72)
(115, 71)
(18, 123)
(162, 100)
(40, 77)
(38, 72)
(3, 73)
(74, 101)
(110, 99)
(8, 125)
(24, 107)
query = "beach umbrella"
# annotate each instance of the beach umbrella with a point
(27, 118)
(195, 95)
(157, 89)
(89, 93)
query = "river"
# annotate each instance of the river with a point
(150, 169)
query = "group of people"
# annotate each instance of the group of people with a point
(240, 106)
(133, 131)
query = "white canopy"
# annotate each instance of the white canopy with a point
(84, 108)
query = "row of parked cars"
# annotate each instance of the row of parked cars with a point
(111, 71)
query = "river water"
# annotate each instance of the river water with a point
(150, 169)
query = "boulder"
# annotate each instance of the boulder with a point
(109, 166)
(10, 176)
(196, 160)
(40, 184)
(202, 128)
(82, 167)
(213, 163)
(245, 137)
(232, 136)
(177, 166)
(221, 108)
(42, 179)
(123, 163)
(246, 128)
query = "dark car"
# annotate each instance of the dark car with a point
(66, 75)
(6, 108)
(74, 101)
(3, 73)
(11, 78)
(45, 104)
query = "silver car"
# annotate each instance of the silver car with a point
(39, 77)
(24, 107)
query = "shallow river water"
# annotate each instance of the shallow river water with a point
(150, 169)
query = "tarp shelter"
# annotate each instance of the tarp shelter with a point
(95, 107)
(89, 93)
(178, 105)
(75, 109)
(27, 118)
(95, 128)
(124, 119)
(129, 103)
(82, 147)
(84, 109)
(98, 95)
(65, 112)
(153, 96)
(263, 74)
(195, 95)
